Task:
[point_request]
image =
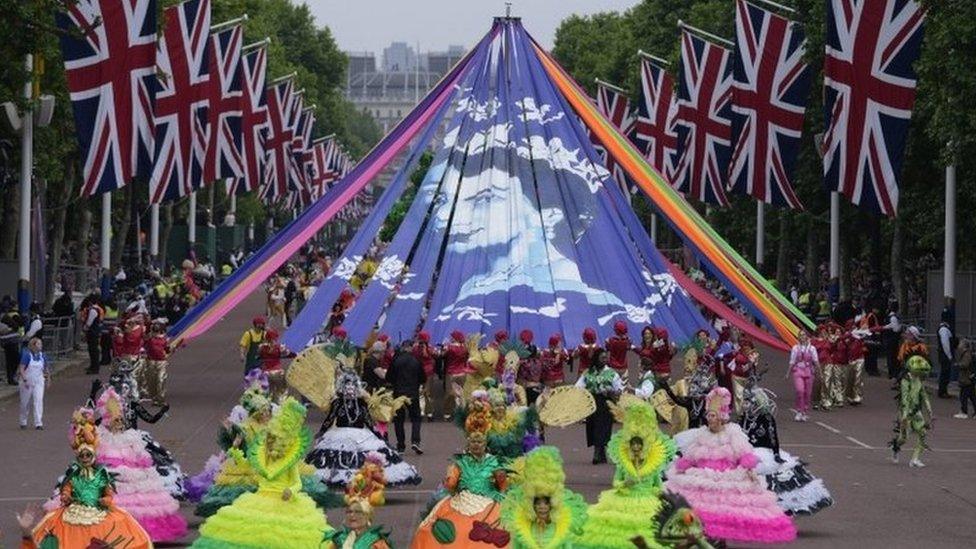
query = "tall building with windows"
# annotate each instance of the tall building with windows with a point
(388, 90)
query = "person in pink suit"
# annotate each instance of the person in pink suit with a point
(804, 362)
(716, 475)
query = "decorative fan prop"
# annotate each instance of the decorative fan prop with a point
(565, 406)
(312, 374)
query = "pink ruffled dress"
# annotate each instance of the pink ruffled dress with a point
(713, 474)
(139, 488)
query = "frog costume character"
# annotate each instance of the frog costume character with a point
(680, 527)
(914, 409)
(87, 515)
(279, 515)
(538, 511)
(640, 452)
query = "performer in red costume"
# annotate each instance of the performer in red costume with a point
(457, 367)
(554, 359)
(662, 350)
(427, 355)
(501, 336)
(585, 351)
(617, 346)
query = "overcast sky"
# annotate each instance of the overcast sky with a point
(370, 25)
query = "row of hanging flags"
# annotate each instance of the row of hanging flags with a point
(734, 121)
(187, 107)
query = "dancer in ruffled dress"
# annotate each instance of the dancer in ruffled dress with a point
(640, 452)
(539, 511)
(86, 514)
(468, 516)
(346, 437)
(797, 490)
(716, 475)
(123, 382)
(139, 488)
(279, 515)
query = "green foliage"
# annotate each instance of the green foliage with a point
(402, 205)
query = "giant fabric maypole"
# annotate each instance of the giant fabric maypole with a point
(516, 225)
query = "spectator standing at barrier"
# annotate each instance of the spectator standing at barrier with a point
(967, 381)
(945, 354)
(91, 318)
(891, 340)
(33, 375)
(406, 376)
(10, 331)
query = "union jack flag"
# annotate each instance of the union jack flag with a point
(615, 105)
(869, 92)
(181, 101)
(111, 79)
(704, 120)
(254, 120)
(302, 144)
(328, 160)
(654, 131)
(769, 97)
(224, 107)
(281, 171)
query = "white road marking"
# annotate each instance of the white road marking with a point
(828, 427)
(859, 443)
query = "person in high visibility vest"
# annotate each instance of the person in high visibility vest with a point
(251, 342)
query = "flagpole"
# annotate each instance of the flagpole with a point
(139, 238)
(613, 87)
(26, 176)
(760, 234)
(191, 222)
(654, 228)
(704, 33)
(835, 237)
(225, 24)
(949, 261)
(106, 244)
(778, 6)
(231, 216)
(652, 57)
(153, 232)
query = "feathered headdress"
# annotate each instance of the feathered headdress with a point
(254, 400)
(82, 433)
(109, 405)
(366, 488)
(719, 400)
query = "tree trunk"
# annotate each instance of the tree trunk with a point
(56, 237)
(82, 239)
(898, 286)
(812, 247)
(11, 218)
(783, 252)
(121, 232)
(164, 235)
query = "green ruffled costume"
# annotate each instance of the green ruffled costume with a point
(630, 508)
(543, 476)
(366, 540)
(264, 519)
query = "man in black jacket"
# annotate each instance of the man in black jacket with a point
(406, 376)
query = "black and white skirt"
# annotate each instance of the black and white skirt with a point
(341, 451)
(797, 490)
(166, 466)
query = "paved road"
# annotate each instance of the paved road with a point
(878, 504)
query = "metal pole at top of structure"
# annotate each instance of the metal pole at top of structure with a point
(508, 10)
(760, 234)
(191, 220)
(613, 87)
(834, 236)
(153, 231)
(105, 245)
(652, 57)
(704, 33)
(949, 260)
(26, 179)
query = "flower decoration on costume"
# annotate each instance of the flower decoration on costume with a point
(109, 405)
(82, 433)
